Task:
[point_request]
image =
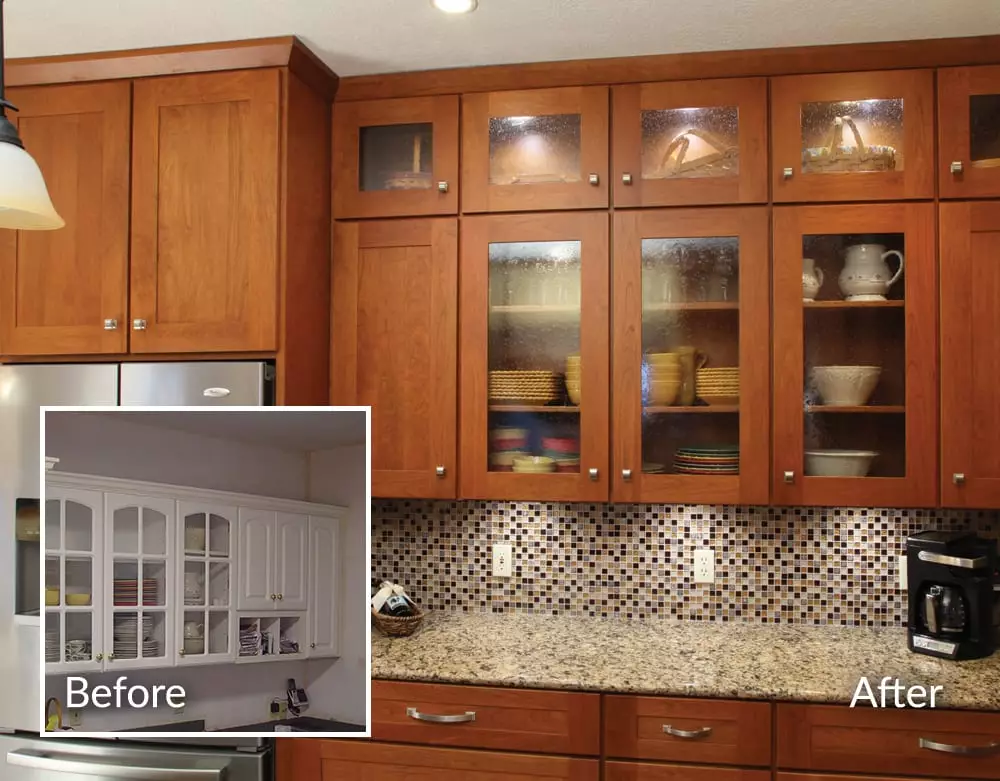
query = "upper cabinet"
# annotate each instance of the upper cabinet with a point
(395, 158)
(63, 292)
(855, 355)
(205, 177)
(691, 356)
(534, 357)
(395, 344)
(853, 136)
(690, 142)
(273, 560)
(970, 354)
(969, 132)
(535, 149)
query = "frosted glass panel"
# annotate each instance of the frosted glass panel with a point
(690, 142)
(535, 150)
(852, 136)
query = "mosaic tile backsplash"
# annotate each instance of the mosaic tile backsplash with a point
(772, 565)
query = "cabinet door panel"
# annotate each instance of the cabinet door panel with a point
(57, 288)
(855, 371)
(644, 771)
(205, 212)
(256, 564)
(970, 354)
(292, 561)
(968, 142)
(395, 347)
(325, 587)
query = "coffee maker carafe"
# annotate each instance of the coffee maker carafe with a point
(953, 606)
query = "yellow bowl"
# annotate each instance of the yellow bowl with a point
(51, 596)
(573, 391)
(662, 394)
(78, 600)
(662, 358)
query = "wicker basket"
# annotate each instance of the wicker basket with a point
(837, 158)
(721, 161)
(396, 626)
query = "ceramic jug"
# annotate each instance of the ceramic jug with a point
(812, 279)
(866, 275)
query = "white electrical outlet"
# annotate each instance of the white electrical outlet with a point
(704, 565)
(903, 582)
(502, 565)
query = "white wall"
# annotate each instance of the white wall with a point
(99, 445)
(338, 477)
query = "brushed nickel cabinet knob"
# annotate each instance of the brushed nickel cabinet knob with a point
(627, 475)
(594, 179)
(789, 477)
(787, 173)
(627, 179)
(958, 478)
(138, 324)
(110, 324)
(443, 187)
(440, 471)
(593, 474)
(957, 167)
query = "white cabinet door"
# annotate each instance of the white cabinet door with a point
(325, 591)
(256, 560)
(292, 582)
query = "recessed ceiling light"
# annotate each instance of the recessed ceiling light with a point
(455, 6)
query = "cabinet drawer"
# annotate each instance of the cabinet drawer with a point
(508, 719)
(642, 771)
(825, 777)
(829, 737)
(688, 730)
(381, 762)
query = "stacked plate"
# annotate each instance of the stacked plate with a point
(506, 444)
(524, 387)
(718, 386)
(126, 592)
(718, 460)
(126, 637)
(52, 645)
(662, 379)
(564, 451)
(534, 465)
(573, 379)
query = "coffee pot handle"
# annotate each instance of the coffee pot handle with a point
(899, 273)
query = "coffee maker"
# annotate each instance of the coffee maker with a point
(954, 605)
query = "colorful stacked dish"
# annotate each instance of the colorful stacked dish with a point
(565, 451)
(534, 465)
(506, 444)
(652, 468)
(718, 460)
(719, 386)
(126, 592)
(524, 387)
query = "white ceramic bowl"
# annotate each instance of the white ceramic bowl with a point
(845, 386)
(831, 462)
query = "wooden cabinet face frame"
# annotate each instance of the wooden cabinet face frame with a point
(960, 93)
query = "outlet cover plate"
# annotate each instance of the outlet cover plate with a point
(502, 564)
(704, 565)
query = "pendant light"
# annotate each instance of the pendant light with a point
(24, 199)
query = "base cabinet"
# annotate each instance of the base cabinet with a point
(643, 771)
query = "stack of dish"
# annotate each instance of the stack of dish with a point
(524, 387)
(534, 465)
(662, 379)
(653, 468)
(718, 386)
(126, 592)
(126, 637)
(506, 444)
(717, 460)
(573, 378)
(52, 644)
(565, 451)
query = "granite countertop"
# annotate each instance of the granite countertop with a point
(751, 661)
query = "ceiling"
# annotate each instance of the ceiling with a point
(285, 428)
(378, 36)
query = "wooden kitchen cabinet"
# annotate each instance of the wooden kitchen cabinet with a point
(534, 314)
(205, 212)
(396, 158)
(855, 371)
(63, 292)
(853, 136)
(535, 150)
(690, 142)
(970, 354)
(273, 563)
(968, 137)
(395, 346)
(647, 771)
(691, 281)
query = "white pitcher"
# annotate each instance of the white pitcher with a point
(812, 279)
(866, 275)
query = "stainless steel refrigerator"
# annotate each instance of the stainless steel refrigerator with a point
(23, 390)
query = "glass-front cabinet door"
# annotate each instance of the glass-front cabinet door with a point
(691, 354)
(853, 136)
(855, 355)
(205, 534)
(394, 158)
(969, 132)
(687, 143)
(534, 357)
(74, 595)
(139, 550)
(535, 149)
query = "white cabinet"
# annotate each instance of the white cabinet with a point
(324, 587)
(273, 561)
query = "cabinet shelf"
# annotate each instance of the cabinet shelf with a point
(853, 304)
(718, 409)
(693, 306)
(871, 409)
(566, 410)
(536, 309)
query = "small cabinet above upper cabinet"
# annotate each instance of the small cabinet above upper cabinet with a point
(853, 136)
(969, 132)
(535, 149)
(394, 158)
(63, 292)
(690, 143)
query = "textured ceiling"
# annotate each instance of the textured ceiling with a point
(378, 36)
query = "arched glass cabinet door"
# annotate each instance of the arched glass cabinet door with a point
(73, 605)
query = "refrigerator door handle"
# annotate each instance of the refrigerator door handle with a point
(54, 762)
(216, 393)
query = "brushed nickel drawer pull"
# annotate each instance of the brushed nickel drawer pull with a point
(688, 734)
(458, 718)
(968, 751)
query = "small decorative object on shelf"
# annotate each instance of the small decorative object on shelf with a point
(866, 275)
(393, 612)
(812, 280)
(722, 160)
(837, 156)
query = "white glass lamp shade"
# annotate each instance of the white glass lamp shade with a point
(24, 199)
